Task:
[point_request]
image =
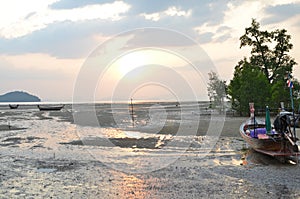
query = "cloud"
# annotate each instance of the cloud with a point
(158, 38)
(72, 29)
(71, 4)
(14, 10)
(213, 33)
(170, 12)
(40, 19)
(62, 40)
(234, 16)
(148, 7)
(281, 13)
(205, 37)
(69, 29)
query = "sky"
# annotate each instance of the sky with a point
(61, 50)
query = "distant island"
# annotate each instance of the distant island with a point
(19, 96)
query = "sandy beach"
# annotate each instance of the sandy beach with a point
(47, 155)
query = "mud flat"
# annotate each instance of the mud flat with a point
(45, 157)
(222, 173)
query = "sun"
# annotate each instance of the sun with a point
(132, 60)
(142, 57)
(123, 69)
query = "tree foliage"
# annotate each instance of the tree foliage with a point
(248, 85)
(274, 62)
(216, 90)
(262, 77)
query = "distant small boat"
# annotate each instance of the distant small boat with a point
(50, 107)
(13, 106)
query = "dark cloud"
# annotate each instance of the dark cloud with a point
(137, 6)
(75, 39)
(63, 40)
(155, 37)
(223, 29)
(30, 15)
(281, 13)
(69, 39)
(146, 6)
(223, 37)
(70, 4)
(205, 37)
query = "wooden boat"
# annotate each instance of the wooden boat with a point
(50, 108)
(13, 106)
(273, 143)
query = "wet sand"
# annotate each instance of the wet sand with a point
(39, 160)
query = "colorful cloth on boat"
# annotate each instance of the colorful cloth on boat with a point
(254, 134)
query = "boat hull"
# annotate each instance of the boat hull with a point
(13, 106)
(50, 108)
(278, 146)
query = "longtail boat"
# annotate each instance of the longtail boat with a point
(13, 106)
(263, 137)
(50, 108)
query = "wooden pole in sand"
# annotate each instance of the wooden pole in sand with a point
(132, 116)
